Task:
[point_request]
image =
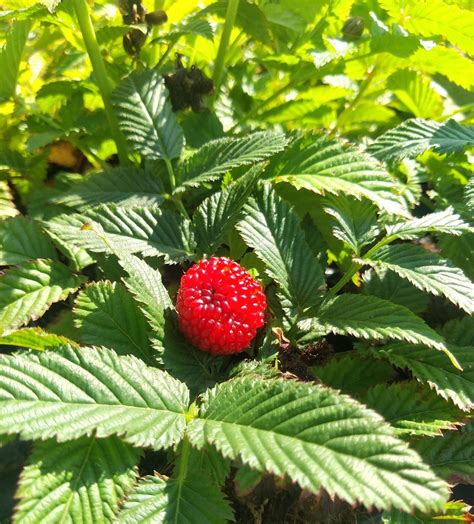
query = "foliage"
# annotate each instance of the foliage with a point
(332, 160)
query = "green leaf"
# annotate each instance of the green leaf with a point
(413, 137)
(452, 512)
(10, 57)
(274, 231)
(452, 456)
(7, 206)
(218, 213)
(72, 393)
(83, 480)
(317, 438)
(354, 221)
(34, 338)
(124, 186)
(149, 231)
(432, 367)
(435, 18)
(217, 157)
(426, 271)
(158, 499)
(412, 409)
(446, 221)
(322, 165)
(389, 286)
(459, 332)
(21, 240)
(146, 117)
(415, 94)
(353, 373)
(373, 318)
(107, 315)
(27, 292)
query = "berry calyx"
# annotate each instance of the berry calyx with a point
(220, 306)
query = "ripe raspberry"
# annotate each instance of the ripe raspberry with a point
(220, 306)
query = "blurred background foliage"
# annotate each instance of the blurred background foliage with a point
(350, 68)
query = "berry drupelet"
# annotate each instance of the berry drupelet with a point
(220, 306)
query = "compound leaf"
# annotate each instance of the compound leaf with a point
(158, 499)
(107, 315)
(27, 292)
(82, 480)
(272, 228)
(321, 165)
(217, 157)
(21, 240)
(70, 393)
(146, 117)
(426, 271)
(317, 438)
(413, 137)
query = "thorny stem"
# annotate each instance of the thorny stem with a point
(230, 16)
(100, 73)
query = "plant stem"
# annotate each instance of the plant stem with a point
(355, 266)
(172, 177)
(100, 73)
(154, 51)
(182, 469)
(230, 16)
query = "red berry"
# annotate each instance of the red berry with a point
(220, 306)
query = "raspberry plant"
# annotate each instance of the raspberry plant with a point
(331, 162)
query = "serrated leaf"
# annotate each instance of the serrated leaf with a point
(146, 117)
(218, 213)
(124, 186)
(413, 137)
(317, 438)
(217, 157)
(451, 456)
(26, 292)
(373, 318)
(412, 409)
(7, 206)
(82, 480)
(274, 231)
(162, 500)
(433, 368)
(415, 94)
(426, 271)
(353, 221)
(459, 332)
(452, 512)
(389, 286)
(34, 338)
(21, 240)
(435, 18)
(10, 57)
(322, 165)
(353, 374)
(106, 314)
(149, 231)
(90, 391)
(446, 221)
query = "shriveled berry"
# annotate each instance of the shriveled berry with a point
(220, 306)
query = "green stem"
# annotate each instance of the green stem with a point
(100, 73)
(182, 470)
(355, 267)
(172, 177)
(230, 16)
(159, 4)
